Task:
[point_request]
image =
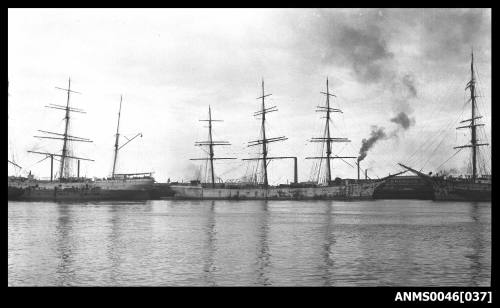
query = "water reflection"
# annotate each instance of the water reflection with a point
(478, 229)
(379, 243)
(64, 244)
(114, 239)
(263, 255)
(209, 267)
(328, 242)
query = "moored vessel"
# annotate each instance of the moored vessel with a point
(338, 189)
(67, 187)
(473, 187)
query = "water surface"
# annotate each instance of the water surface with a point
(228, 243)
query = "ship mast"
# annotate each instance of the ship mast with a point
(117, 138)
(473, 145)
(327, 126)
(118, 147)
(65, 137)
(211, 145)
(327, 136)
(263, 128)
(264, 141)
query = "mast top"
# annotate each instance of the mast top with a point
(69, 87)
(263, 93)
(327, 93)
(472, 63)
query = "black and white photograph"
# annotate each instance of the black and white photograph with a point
(268, 147)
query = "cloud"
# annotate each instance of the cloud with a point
(403, 120)
(366, 51)
(347, 38)
(450, 34)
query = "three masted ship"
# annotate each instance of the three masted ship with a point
(476, 187)
(338, 189)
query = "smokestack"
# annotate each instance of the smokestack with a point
(78, 174)
(366, 174)
(358, 170)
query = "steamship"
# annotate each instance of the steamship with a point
(124, 186)
(338, 189)
(474, 187)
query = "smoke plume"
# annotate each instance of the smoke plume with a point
(374, 46)
(363, 42)
(366, 51)
(376, 134)
(403, 120)
(409, 81)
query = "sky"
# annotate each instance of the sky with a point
(398, 75)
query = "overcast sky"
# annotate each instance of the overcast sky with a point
(408, 65)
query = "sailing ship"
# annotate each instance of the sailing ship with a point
(131, 186)
(477, 187)
(338, 189)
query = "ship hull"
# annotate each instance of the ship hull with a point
(339, 192)
(86, 195)
(135, 189)
(14, 193)
(449, 191)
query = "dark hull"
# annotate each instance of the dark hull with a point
(14, 193)
(161, 190)
(463, 195)
(405, 187)
(404, 194)
(461, 191)
(79, 195)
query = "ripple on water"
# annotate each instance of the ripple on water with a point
(205, 243)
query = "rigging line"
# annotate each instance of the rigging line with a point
(347, 163)
(231, 169)
(434, 109)
(207, 167)
(422, 127)
(435, 149)
(321, 154)
(435, 138)
(449, 158)
(431, 155)
(479, 81)
(479, 90)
